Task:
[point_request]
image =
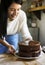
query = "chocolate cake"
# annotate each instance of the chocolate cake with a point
(32, 49)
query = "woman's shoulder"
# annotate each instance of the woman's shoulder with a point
(22, 13)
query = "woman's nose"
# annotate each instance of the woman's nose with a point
(15, 12)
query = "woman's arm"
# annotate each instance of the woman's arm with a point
(4, 43)
(10, 47)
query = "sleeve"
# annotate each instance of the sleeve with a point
(24, 29)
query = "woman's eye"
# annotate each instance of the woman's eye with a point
(11, 9)
(18, 9)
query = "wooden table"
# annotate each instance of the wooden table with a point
(8, 59)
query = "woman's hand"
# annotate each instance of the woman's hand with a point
(11, 49)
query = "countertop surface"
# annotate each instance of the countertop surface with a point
(8, 59)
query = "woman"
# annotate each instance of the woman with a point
(15, 22)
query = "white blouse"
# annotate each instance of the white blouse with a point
(19, 24)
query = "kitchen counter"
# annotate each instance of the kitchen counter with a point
(8, 59)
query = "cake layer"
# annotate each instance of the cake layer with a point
(26, 48)
(30, 54)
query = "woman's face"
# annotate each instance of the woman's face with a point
(13, 10)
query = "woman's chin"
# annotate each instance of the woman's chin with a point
(12, 18)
